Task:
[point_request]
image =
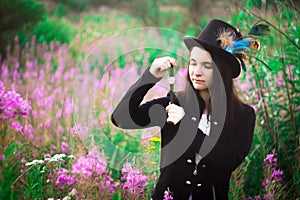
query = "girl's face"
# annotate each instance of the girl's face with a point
(201, 69)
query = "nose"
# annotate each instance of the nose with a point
(198, 71)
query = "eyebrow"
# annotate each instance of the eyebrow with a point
(205, 62)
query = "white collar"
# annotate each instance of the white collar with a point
(204, 124)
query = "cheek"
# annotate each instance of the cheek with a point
(191, 72)
(211, 78)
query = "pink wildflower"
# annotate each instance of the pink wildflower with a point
(65, 148)
(64, 179)
(12, 104)
(168, 195)
(89, 166)
(17, 126)
(28, 131)
(135, 181)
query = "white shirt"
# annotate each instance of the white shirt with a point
(204, 124)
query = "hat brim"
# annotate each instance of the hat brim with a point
(217, 52)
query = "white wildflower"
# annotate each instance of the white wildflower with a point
(71, 157)
(73, 192)
(34, 162)
(57, 157)
(43, 169)
(66, 198)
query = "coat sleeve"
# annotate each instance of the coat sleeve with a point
(230, 152)
(131, 114)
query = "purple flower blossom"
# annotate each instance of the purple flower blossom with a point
(48, 123)
(28, 131)
(135, 181)
(8, 48)
(269, 159)
(277, 174)
(65, 148)
(68, 107)
(2, 89)
(273, 176)
(89, 166)
(16, 39)
(17, 126)
(60, 129)
(12, 104)
(107, 183)
(64, 179)
(47, 155)
(168, 195)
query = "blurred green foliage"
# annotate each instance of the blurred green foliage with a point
(18, 15)
(10, 169)
(54, 29)
(74, 5)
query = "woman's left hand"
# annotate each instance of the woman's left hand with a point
(175, 113)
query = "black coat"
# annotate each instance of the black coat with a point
(180, 142)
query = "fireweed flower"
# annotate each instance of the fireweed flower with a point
(168, 195)
(89, 166)
(107, 184)
(273, 176)
(2, 89)
(12, 104)
(28, 131)
(64, 179)
(269, 159)
(277, 174)
(17, 126)
(65, 148)
(135, 181)
(48, 123)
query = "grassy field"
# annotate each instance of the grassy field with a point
(59, 85)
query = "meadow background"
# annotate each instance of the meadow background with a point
(56, 97)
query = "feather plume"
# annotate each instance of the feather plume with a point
(260, 28)
(225, 38)
(255, 45)
(241, 45)
(242, 58)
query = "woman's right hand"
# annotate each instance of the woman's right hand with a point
(161, 65)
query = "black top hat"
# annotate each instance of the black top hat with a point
(212, 39)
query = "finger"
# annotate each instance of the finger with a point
(172, 110)
(171, 105)
(172, 120)
(172, 61)
(167, 64)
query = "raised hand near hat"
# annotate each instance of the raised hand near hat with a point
(161, 65)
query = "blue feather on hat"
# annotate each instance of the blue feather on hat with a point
(240, 48)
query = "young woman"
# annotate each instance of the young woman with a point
(207, 132)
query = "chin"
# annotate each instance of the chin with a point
(200, 87)
(197, 87)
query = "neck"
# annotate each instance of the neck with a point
(205, 96)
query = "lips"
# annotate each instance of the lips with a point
(199, 81)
